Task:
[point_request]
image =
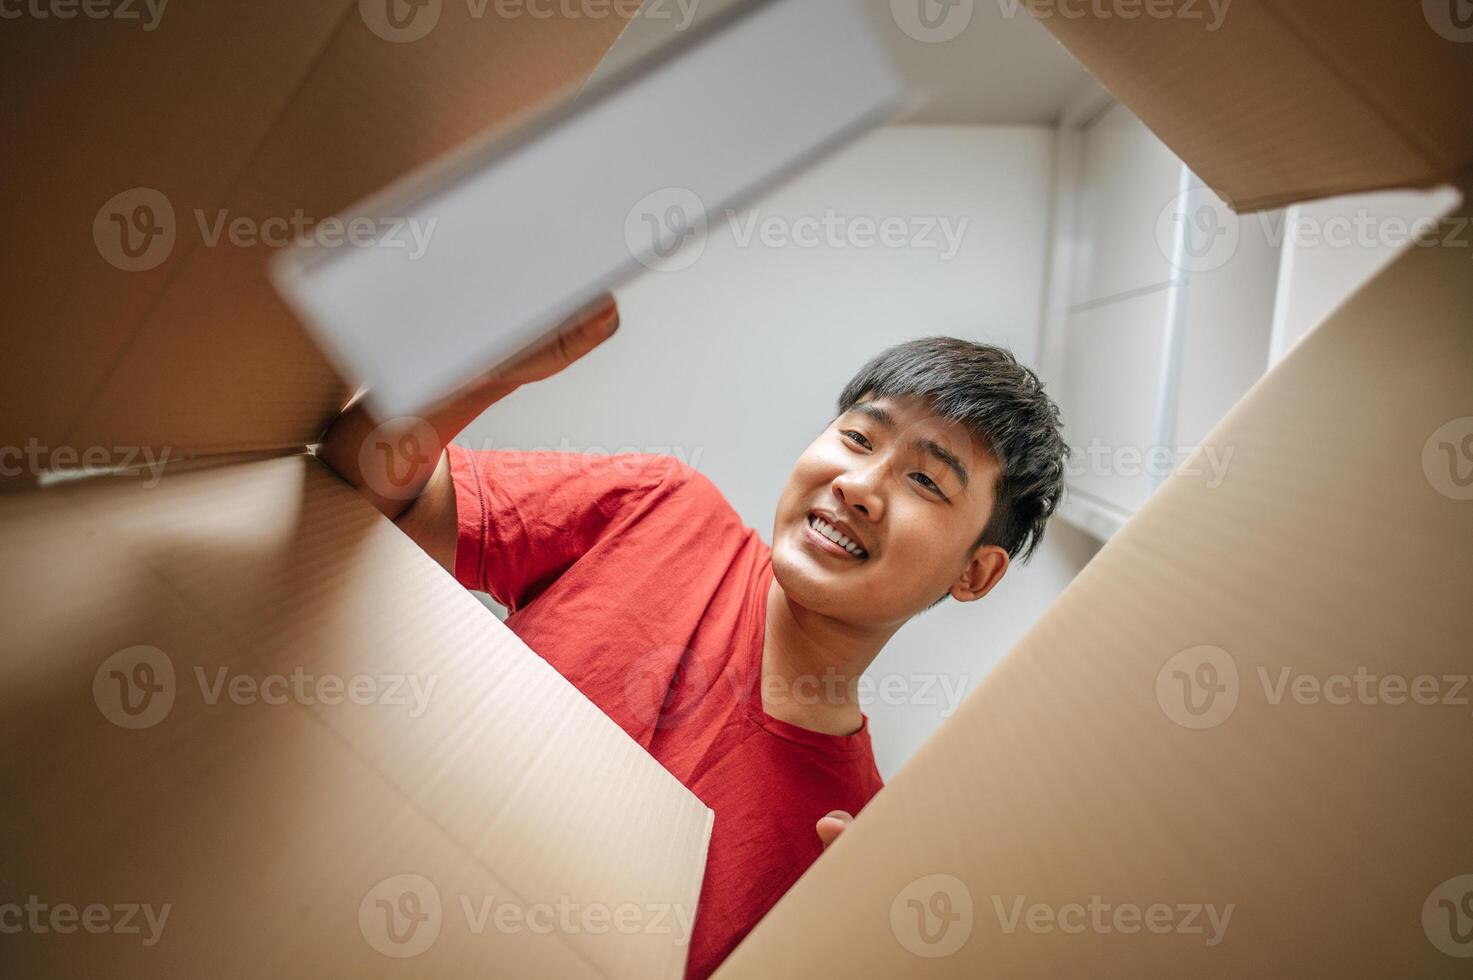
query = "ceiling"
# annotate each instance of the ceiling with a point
(1000, 68)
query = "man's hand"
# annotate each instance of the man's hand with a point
(583, 332)
(831, 825)
(400, 465)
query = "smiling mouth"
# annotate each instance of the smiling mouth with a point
(841, 544)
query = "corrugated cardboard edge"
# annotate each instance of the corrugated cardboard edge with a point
(1124, 54)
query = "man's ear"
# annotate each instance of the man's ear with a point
(984, 570)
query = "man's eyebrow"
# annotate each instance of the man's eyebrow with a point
(875, 412)
(924, 445)
(946, 456)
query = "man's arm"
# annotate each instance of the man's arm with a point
(401, 467)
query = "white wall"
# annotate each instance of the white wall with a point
(735, 362)
(1333, 247)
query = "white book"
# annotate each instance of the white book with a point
(483, 254)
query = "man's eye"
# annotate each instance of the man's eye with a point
(929, 484)
(858, 438)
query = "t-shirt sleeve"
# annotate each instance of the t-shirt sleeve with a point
(524, 518)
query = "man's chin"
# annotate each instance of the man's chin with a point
(808, 582)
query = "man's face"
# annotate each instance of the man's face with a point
(911, 491)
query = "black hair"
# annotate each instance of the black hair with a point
(1003, 403)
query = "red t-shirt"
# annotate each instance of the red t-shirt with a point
(634, 577)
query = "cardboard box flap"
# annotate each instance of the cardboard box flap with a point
(1276, 101)
(154, 170)
(245, 694)
(1238, 741)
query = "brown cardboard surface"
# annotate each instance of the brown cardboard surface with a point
(1287, 100)
(1338, 544)
(254, 109)
(266, 825)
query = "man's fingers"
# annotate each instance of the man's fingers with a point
(831, 825)
(576, 337)
(587, 330)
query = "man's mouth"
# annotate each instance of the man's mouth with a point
(837, 542)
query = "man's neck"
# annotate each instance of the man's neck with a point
(811, 665)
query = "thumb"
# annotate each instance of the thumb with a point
(831, 825)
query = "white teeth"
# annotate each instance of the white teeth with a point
(829, 531)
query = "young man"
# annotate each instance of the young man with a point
(734, 663)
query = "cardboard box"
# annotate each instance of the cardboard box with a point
(1237, 744)
(250, 728)
(1340, 543)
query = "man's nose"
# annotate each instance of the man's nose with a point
(859, 489)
